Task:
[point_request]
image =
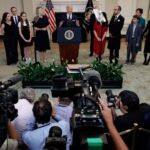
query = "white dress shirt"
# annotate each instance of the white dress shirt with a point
(69, 16)
(25, 119)
(64, 111)
(35, 140)
(134, 27)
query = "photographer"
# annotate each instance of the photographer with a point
(133, 111)
(35, 139)
(107, 115)
(12, 142)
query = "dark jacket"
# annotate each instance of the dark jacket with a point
(67, 22)
(137, 33)
(127, 121)
(147, 41)
(115, 27)
(15, 26)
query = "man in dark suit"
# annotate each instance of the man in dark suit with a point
(92, 21)
(115, 27)
(15, 20)
(69, 19)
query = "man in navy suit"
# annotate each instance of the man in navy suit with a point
(15, 20)
(69, 19)
(115, 27)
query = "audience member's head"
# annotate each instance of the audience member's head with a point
(42, 111)
(44, 97)
(69, 9)
(28, 94)
(139, 12)
(135, 19)
(6, 17)
(117, 10)
(129, 101)
(13, 10)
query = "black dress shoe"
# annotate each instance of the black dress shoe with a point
(144, 63)
(90, 54)
(148, 60)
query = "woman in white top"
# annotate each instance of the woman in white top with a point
(25, 31)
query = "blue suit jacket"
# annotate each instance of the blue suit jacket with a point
(67, 22)
(137, 33)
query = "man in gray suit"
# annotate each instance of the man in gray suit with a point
(133, 37)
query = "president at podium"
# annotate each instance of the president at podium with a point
(69, 19)
(69, 37)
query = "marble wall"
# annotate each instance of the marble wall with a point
(128, 6)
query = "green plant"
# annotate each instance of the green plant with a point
(108, 71)
(39, 72)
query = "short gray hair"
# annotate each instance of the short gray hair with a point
(28, 93)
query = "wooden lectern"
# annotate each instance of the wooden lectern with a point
(69, 39)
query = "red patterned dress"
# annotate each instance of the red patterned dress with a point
(99, 46)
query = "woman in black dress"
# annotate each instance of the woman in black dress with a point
(25, 32)
(147, 44)
(7, 31)
(41, 34)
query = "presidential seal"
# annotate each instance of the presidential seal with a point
(69, 35)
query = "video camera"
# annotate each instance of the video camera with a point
(84, 94)
(8, 97)
(55, 140)
(111, 99)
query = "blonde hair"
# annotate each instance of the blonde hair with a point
(36, 18)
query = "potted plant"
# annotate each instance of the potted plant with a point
(37, 75)
(111, 74)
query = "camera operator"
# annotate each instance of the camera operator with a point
(25, 119)
(133, 111)
(107, 115)
(35, 139)
(13, 138)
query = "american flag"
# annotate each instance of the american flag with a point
(50, 13)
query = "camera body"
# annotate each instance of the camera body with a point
(8, 97)
(55, 140)
(111, 98)
(86, 112)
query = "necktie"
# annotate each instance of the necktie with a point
(115, 18)
(16, 22)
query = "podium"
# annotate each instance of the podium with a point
(69, 39)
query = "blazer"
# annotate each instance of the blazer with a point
(147, 30)
(67, 22)
(137, 33)
(15, 26)
(115, 26)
